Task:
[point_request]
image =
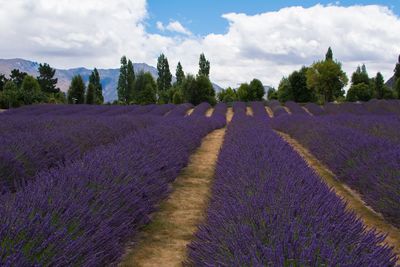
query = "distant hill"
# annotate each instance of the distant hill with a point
(109, 77)
(390, 83)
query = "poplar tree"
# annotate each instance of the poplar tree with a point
(164, 79)
(94, 81)
(122, 87)
(180, 75)
(204, 66)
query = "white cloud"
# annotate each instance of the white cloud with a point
(266, 46)
(173, 26)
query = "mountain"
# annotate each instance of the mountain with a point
(109, 77)
(390, 83)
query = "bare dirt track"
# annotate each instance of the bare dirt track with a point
(371, 219)
(164, 240)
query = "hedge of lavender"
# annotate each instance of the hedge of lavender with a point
(276, 108)
(259, 111)
(269, 209)
(368, 164)
(315, 109)
(295, 108)
(179, 110)
(201, 109)
(83, 213)
(386, 127)
(383, 107)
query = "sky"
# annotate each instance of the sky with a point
(243, 39)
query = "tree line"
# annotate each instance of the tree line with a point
(141, 88)
(324, 81)
(23, 89)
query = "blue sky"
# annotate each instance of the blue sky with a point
(202, 17)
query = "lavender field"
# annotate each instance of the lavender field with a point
(82, 185)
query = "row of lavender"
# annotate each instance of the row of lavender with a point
(269, 209)
(364, 156)
(84, 212)
(31, 142)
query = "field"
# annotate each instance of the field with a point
(255, 184)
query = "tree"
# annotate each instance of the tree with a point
(180, 75)
(164, 80)
(145, 89)
(90, 94)
(97, 88)
(31, 91)
(17, 77)
(130, 82)
(298, 84)
(122, 88)
(11, 96)
(359, 92)
(397, 87)
(257, 90)
(76, 91)
(3, 81)
(327, 79)
(360, 76)
(243, 92)
(329, 54)
(397, 70)
(204, 66)
(285, 92)
(272, 94)
(379, 86)
(227, 96)
(198, 90)
(46, 79)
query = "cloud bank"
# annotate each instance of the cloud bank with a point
(71, 33)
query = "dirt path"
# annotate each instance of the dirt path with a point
(371, 219)
(209, 112)
(249, 111)
(308, 112)
(165, 239)
(269, 111)
(189, 112)
(229, 114)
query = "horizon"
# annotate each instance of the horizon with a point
(242, 41)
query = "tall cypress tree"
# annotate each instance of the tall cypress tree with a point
(17, 77)
(379, 86)
(164, 74)
(130, 82)
(46, 79)
(204, 66)
(90, 94)
(94, 81)
(180, 75)
(122, 87)
(329, 54)
(76, 91)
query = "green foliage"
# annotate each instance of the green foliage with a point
(145, 89)
(76, 91)
(164, 80)
(130, 82)
(31, 91)
(17, 77)
(397, 70)
(46, 79)
(360, 76)
(227, 95)
(285, 92)
(397, 87)
(359, 92)
(272, 94)
(379, 83)
(90, 94)
(198, 90)
(257, 90)
(180, 75)
(122, 88)
(11, 96)
(177, 97)
(327, 79)
(3, 81)
(94, 81)
(204, 66)
(329, 54)
(251, 92)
